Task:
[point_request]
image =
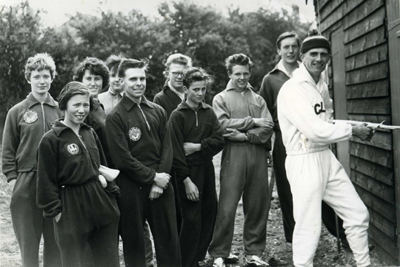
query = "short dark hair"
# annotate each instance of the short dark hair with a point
(69, 90)
(112, 63)
(237, 59)
(287, 35)
(95, 66)
(194, 75)
(130, 63)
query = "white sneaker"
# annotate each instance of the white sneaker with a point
(218, 262)
(253, 260)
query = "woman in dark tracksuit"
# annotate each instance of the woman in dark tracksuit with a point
(196, 137)
(69, 189)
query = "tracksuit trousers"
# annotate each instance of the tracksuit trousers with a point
(198, 217)
(285, 196)
(243, 172)
(318, 176)
(87, 232)
(136, 207)
(29, 224)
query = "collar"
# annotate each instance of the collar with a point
(60, 127)
(280, 67)
(111, 92)
(184, 105)
(33, 101)
(129, 103)
(179, 94)
(230, 86)
(302, 75)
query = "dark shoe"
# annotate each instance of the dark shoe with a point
(277, 262)
(231, 259)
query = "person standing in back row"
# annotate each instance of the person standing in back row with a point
(288, 48)
(26, 123)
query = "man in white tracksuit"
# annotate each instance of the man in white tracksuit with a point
(312, 169)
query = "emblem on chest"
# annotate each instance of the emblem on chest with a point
(73, 149)
(135, 133)
(30, 116)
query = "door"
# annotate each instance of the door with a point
(339, 93)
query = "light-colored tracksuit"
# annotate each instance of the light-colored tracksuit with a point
(313, 171)
(243, 171)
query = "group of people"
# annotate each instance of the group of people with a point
(55, 153)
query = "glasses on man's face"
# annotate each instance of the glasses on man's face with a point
(178, 74)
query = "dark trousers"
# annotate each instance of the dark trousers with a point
(29, 224)
(285, 195)
(136, 207)
(87, 232)
(177, 202)
(198, 217)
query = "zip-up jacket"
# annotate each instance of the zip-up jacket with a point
(195, 126)
(236, 109)
(66, 160)
(26, 123)
(167, 99)
(139, 144)
(303, 115)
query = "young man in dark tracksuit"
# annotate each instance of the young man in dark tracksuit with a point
(169, 98)
(85, 212)
(196, 137)
(288, 45)
(26, 123)
(140, 148)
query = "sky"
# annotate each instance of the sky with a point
(57, 11)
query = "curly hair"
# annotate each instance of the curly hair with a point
(95, 66)
(40, 61)
(195, 75)
(237, 59)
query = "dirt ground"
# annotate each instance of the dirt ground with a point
(326, 254)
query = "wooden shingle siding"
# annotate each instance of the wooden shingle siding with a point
(361, 12)
(388, 247)
(366, 25)
(369, 106)
(367, 41)
(380, 190)
(384, 225)
(378, 88)
(373, 155)
(379, 173)
(338, 12)
(371, 117)
(374, 203)
(367, 57)
(367, 74)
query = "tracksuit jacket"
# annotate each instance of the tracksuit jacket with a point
(167, 99)
(68, 170)
(140, 147)
(198, 217)
(25, 125)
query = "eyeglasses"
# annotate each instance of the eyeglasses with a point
(178, 74)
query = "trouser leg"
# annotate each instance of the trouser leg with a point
(208, 211)
(177, 201)
(328, 218)
(306, 175)
(148, 244)
(256, 202)
(104, 245)
(162, 220)
(232, 179)
(282, 186)
(27, 218)
(343, 198)
(130, 204)
(51, 253)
